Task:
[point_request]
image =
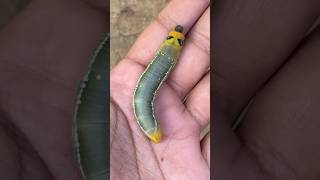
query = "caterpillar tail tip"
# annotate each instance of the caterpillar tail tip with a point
(156, 136)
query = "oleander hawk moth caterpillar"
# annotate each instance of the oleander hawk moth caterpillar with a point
(151, 80)
(91, 114)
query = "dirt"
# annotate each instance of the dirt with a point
(128, 19)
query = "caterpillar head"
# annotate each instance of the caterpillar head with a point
(176, 37)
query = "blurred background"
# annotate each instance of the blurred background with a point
(128, 19)
(8, 8)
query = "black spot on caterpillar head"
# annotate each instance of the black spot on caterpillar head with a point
(179, 28)
(180, 42)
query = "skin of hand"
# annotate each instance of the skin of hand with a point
(44, 53)
(264, 53)
(182, 104)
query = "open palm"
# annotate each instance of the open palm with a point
(182, 104)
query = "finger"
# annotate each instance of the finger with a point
(198, 102)
(195, 58)
(252, 39)
(181, 133)
(282, 127)
(149, 41)
(205, 147)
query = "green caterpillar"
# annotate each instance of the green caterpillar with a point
(150, 81)
(91, 126)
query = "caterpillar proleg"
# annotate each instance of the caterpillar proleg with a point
(150, 81)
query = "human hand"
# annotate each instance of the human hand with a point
(182, 104)
(44, 53)
(261, 53)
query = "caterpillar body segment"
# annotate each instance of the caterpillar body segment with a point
(91, 117)
(151, 80)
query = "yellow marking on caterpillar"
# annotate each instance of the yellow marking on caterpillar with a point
(156, 136)
(176, 34)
